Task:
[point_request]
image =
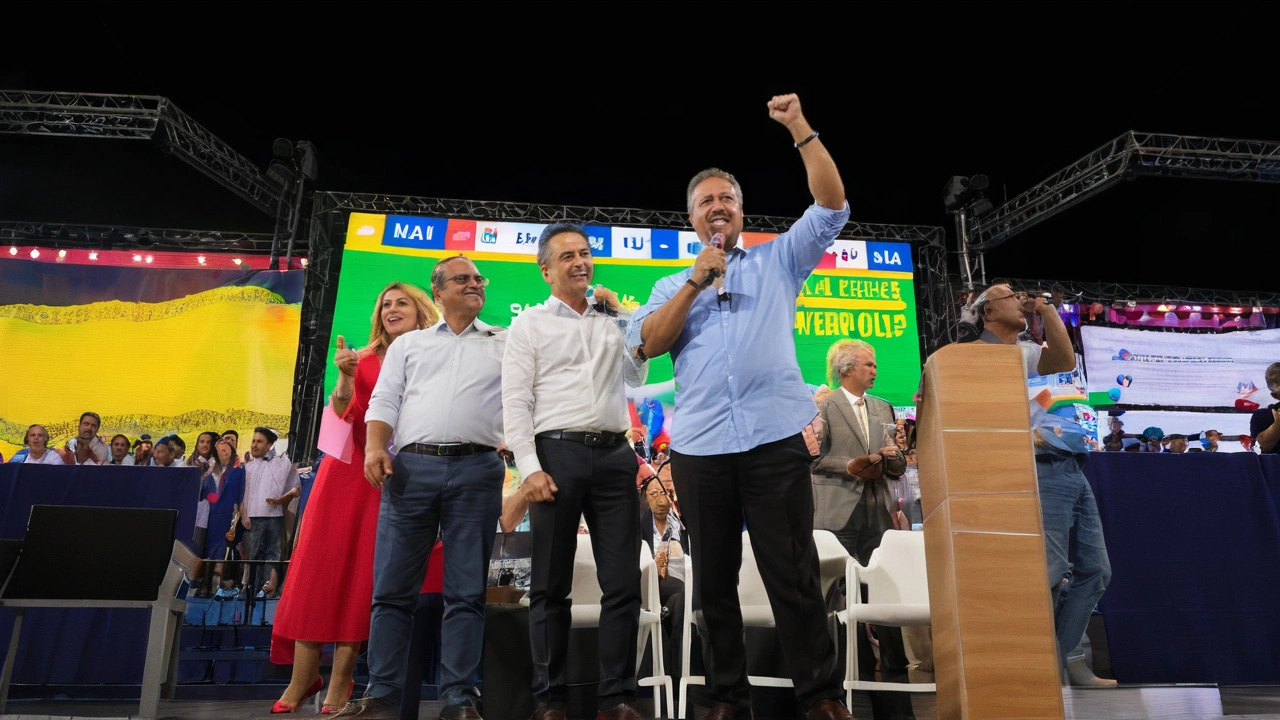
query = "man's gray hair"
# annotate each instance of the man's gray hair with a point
(552, 230)
(841, 355)
(710, 173)
(437, 273)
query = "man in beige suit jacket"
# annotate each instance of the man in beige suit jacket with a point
(850, 495)
(837, 492)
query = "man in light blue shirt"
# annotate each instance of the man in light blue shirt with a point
(741, 403)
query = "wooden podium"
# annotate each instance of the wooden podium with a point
(995, 654)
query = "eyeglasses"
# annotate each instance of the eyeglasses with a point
(463, 279)
(1020, 296)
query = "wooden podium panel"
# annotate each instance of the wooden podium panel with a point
(994, 649)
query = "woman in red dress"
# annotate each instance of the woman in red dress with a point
(333, 560)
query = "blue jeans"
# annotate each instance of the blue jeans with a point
(1073, 544)
(461, 498)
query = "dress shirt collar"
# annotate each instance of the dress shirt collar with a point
(560, 307)
(853, 399)
(477, 325)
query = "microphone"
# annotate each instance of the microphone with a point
(716, 241)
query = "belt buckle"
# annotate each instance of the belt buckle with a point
(592, 439)
(443, 450)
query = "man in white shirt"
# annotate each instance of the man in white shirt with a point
(120, 451)
(440, 390)
(563, 381)
(269, 485)
(86, 447)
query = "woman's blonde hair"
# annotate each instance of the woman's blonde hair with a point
(379, 338)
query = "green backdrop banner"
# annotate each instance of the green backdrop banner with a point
(840, 299)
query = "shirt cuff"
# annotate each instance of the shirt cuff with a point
(372, 414)
(528, 465)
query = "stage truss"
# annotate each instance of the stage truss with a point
(331, 210)
(140, 117)
(121, 237)
(1115, 293)
(1132, 154)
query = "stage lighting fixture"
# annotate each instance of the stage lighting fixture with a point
(13, 250)
(282, 147)
(200, 259)
(305, 155)
(960, 191)
(34, 253)
(93, 255)
(304, 262)
(149, 258)
(237, 261)
(62, 254)
(137, 258)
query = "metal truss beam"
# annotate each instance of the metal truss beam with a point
(936, 310)
(326, 234)
(1131, 154)
(531, 212)
(119, 236)
(140, 117)
(1075, 292)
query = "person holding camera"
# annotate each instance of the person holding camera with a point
(1074, 545)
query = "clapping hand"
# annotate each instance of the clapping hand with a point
(607, 297)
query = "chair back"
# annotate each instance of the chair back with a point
(832, 557)
(94, 553)
(896, 573)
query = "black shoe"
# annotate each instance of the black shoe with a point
(464, 711)
(369, 708)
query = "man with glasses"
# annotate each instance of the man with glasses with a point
(1073, 542)
(564, 382)
(738, 452)
(440, 390)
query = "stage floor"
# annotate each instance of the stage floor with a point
(1126, 703)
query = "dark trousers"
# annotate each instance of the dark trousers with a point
(861, 536)
(769, 488)
(600, 484)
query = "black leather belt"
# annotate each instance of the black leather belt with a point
(588, 438)
(446, 449)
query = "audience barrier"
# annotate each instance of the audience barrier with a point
(1194, 541)
(86, 646)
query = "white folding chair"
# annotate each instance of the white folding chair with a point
(897, 596)
(756, 611)
(585, 596)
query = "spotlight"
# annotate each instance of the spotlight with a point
(34, 253)
(137, 258)
(13, 250)
(93, 255)
(200, 259)
(304, 262)
(149, 259)
(62, 254)
(237, 261)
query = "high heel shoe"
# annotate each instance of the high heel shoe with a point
(330, 709)
(284, 707)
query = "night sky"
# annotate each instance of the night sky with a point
(618, 105)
